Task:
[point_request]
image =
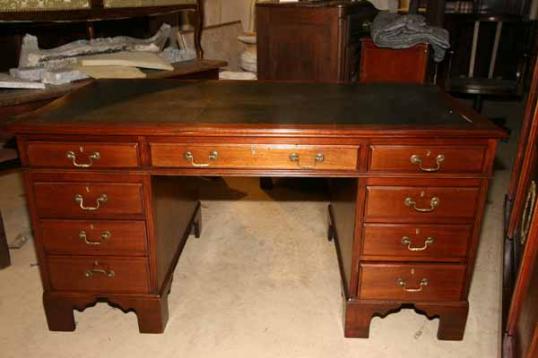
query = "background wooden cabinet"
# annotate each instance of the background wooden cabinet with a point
(311, 42)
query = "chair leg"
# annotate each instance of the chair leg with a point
(5, 260)
(478, 103)
(266, 183)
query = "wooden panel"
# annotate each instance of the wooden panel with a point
(424, 241)
(58, 200)
(403, 282)
(393, 65)
(427, 159)
(322, 48)
(255, 156)
(118, 274)
(523, 316)
(80, 155)
(343, 215)
(175, 201)
(389, 203)
(311, 54)
(80, 237)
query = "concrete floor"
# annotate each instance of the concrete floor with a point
(261, 282)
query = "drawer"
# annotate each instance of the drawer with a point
(95, 274)
(84, 237)
(427, 159)
(255, 156)
(81, 200)
(423, 241)
(82, 155)
(401, 204)
(405, 282)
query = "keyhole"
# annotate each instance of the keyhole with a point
(412, 271)
(422, 194)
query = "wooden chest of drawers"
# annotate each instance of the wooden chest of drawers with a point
(113, 201)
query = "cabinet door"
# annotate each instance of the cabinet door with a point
(523, 163)
(521, 330)
(520, 286)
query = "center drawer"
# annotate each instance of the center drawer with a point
(254, 156)
(82, 200)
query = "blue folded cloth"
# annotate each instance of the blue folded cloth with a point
(403, 31)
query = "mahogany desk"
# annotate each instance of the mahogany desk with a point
(111, 169)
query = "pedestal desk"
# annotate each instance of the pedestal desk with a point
(111, 176)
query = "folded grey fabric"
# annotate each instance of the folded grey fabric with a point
(403, 31)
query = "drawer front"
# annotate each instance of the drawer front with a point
(408, 282)
(83, 237)
(80, 200)
(427, 159)
(401, 204)
(255, 156)
(82, 155)
(95, 274)
(424, 241)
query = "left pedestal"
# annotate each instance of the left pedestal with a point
(106, 235)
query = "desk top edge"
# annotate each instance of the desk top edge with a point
(48, 121)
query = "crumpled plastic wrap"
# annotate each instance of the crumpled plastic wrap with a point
(33, 56)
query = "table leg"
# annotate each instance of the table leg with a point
(198, 28)
(5, 260)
